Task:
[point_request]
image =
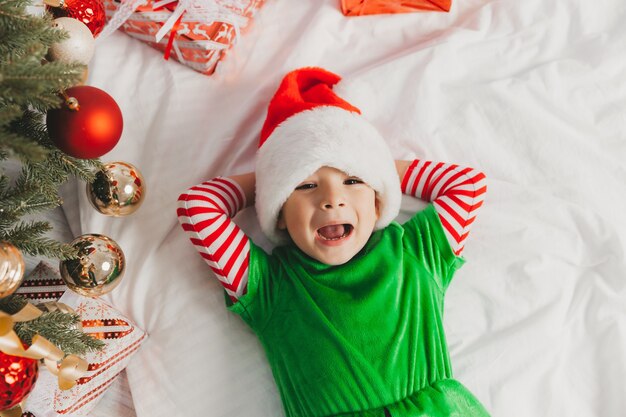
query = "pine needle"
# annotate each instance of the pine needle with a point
(12, 304)
(59, 329)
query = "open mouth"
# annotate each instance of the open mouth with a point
(335, 231)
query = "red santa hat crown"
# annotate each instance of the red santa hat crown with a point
(309, 126)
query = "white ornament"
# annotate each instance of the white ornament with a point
(79, 47)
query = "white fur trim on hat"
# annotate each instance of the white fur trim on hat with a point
(324, 136)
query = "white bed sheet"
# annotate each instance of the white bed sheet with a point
(531, 92)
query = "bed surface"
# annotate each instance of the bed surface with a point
(530, 92)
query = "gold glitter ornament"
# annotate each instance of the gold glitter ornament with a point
(118, 190)
(11, 269)
(78, 47)
(99, 267)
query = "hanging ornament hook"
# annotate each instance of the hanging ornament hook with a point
(55, 3)
(71, 102)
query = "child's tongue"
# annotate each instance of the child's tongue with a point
(334, 231)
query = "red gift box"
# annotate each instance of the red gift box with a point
(198, 40)
(365, 7)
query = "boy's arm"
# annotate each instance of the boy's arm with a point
(204, 212)
(456, 194)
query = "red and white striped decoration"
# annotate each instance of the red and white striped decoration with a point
(204, 212)
(455, 192)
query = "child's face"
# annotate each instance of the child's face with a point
(330, 216)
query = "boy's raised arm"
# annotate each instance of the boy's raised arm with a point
(204, 212)
(456, 193)
(247, 183)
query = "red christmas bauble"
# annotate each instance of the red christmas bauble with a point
(90, 12)
(17, 379)
(89, 131)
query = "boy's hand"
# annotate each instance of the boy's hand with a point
(248, 183)
(401, 167)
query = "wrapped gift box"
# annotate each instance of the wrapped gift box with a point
(198, 42)
(122, 339)
(365, 7)
(121, 336)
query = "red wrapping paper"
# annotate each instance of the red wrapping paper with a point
(194, 40)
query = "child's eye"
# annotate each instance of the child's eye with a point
(306, 186)
(352, 181)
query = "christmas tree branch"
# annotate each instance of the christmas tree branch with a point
(60, 329)
(30, 193)
(9, 112)
(81, 168)
(22, 147)
(38, 85)
(16, 23)
(12, 304)
(29, 87)
(28, 237)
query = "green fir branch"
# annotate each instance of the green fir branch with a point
(59, 328)
(28, 237)
(47, 175)
(32, 125)
(7, 219)
(21, 147)
(12, 304)
(24, 83)
(29, 87)
(16, 24)
(27, 202)
(23, 231)
(85, 169)
(30, 193)
(9, 112)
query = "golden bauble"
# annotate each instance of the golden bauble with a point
(99, 267)
(118, 190)
(11, 269)
(78, 47)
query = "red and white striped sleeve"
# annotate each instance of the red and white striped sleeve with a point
(455, 192)
(204, 211)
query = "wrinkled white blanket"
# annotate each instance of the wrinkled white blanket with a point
(531, 92)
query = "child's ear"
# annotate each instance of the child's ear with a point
(281, 221)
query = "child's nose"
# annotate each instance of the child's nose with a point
(333, 205)
(332, 199)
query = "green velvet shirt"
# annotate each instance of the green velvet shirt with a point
(351, 339)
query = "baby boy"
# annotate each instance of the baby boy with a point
(349, 305)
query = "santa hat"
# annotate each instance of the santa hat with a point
(309, 126)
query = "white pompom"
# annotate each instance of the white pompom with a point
(79, 47)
